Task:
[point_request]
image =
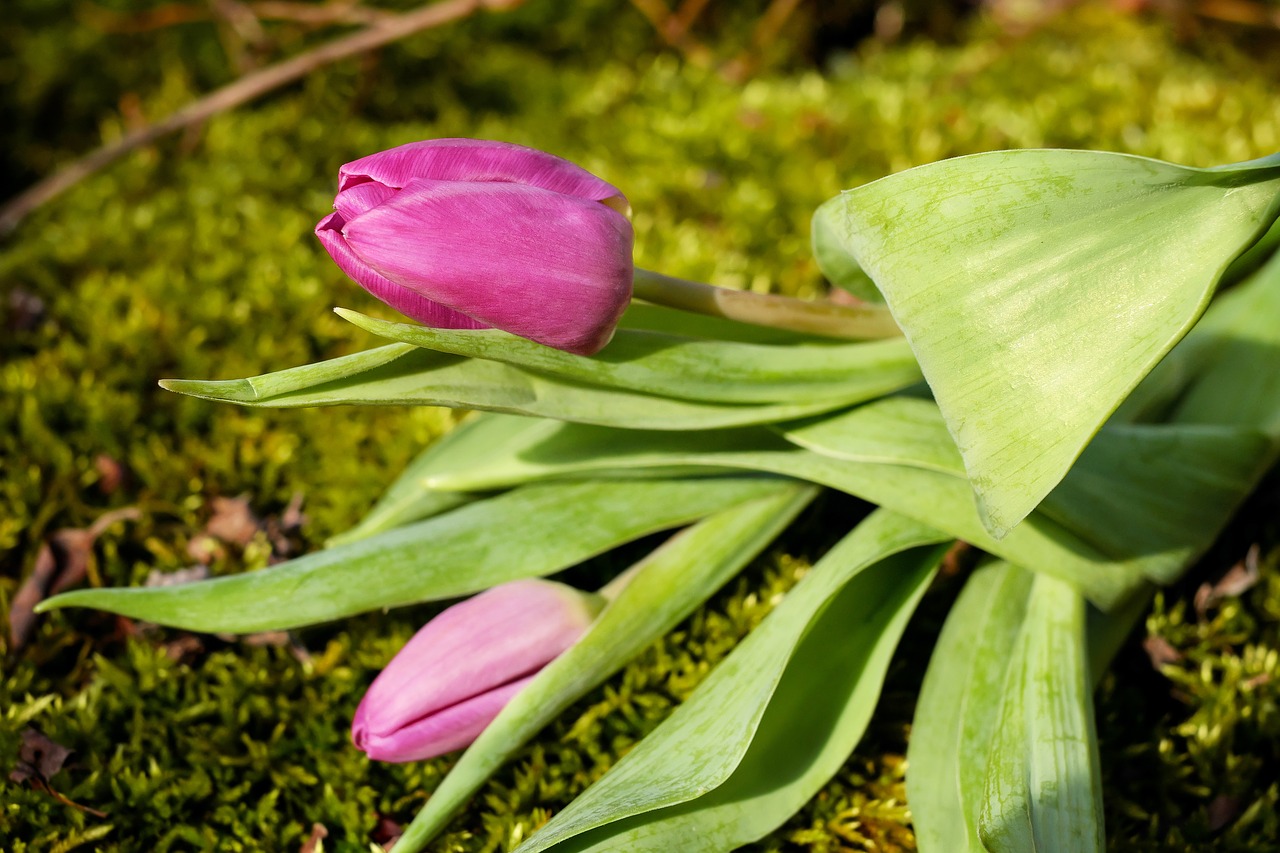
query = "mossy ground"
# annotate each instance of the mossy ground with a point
(195, 259)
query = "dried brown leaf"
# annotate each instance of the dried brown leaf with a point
(191, 574)
(1238, 580)
(315, 843)
(38, 757)
(233, 522)
(1160, 651)
(1222, 810)
(22, 618)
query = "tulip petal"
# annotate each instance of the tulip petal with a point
(441, 732)
(361, 198)
(545, 266)
(479, 161)
(489, 640)
(408, 302)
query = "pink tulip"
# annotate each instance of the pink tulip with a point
(469, 234)
(454, 676)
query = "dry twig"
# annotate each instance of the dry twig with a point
(245, 89)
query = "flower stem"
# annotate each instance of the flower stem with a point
(827, 319)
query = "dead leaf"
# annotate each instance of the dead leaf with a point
(22, 617)
(1238, 580)
(111, 474)
(233, 521)
(39, 757)
(386, 832)
(1222, 810)
(959, 557)
(26, 310)
(187, 645)
(74, 548)
(176, 578)
(315, 844)
(292, 518)
(205, 549)
(1160, 651)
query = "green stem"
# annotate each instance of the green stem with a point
(759, 309)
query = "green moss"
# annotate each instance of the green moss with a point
(195, 259)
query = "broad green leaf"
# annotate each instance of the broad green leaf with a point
(686, 368)
(958, 710)
(664, 588)
(839, 267)
(1159, 491)
(1038, 288)
(408, 499)
(768, 731)
(1043, 787)
(532, 531)
(401, 374)
(1223, 371)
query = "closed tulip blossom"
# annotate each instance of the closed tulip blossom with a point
(454, 676)
(470, 234)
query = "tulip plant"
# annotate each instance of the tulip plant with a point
(1068, 359)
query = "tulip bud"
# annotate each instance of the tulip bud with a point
(454, 676)
(469, 234)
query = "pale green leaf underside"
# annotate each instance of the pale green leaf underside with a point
(1037, 288)
(531, 531)
(959, 709)
(402, 374)
(1003, 753)
(839, 267)
(711, 736)
(666, 587)
(1043, 788)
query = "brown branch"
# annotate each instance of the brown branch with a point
(245, 89)
(673, 32)
(161, 17)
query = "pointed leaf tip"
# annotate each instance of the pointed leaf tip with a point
(229, 390)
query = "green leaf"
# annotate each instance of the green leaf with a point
(532, 531)
(664, 588)
(1043, 787)
(837, 264)
(1237, 379)
(1038, 288)
(410, 499)
(774, 720)
(1003, 753)
(1141, 502)
(1160, 492)
(686, 368)
(958, 710)
(402, 374)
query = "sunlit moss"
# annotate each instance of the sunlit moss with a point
(195, 259)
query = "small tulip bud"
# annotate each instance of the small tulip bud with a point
(454, 676)
(470, 234)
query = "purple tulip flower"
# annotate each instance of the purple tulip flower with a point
(469, 234)
(454, 676)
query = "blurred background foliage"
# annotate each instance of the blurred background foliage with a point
(194, 258)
